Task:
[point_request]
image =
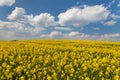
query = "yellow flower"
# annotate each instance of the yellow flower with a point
(10, 76)
(45, 72)
(68, 78)
(62, 75)
(4, 64)
(85, 68)
(108, 69)
(48, 77)
(101, 73)
(116, 77)
(0, 68)
(22, 78)
(19, 69)
(54, 75)
(52, 59)
(87, 78)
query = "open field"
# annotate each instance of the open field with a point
(59, 60)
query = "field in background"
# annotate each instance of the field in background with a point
(59, 60)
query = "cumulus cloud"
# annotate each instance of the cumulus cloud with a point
(6, 35)
(8, 29)
(17, 14)
(82, 36)
(63, 28)
(42, 20)
(11, 25)
(78, 17)
(19, 27)
(71, 34)
(75, 17)
(114, 16)
(53, 34)
(6, 2)
(114, 36)
(110, 23)
(16, 30)
(24, 26)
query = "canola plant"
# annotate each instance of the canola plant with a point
(59, 60)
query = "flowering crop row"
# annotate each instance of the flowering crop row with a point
(59, 60)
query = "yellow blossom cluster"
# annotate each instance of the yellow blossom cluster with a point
(59, 60)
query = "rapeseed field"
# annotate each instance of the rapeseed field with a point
(59, 60)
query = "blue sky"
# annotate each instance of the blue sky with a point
(62, 19)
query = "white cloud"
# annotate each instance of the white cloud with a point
(82, 36)
(16, 30)
(75, 16)
(19, 27)
(6, 35)
(24, 26)
(6, 2)
(110, 35)
(42, 20)
(55, 33)
(115, 36)
(110, 23)
(10, 25)
(17, 14)
(8, 29)
(78, 17)
(114, 16)
(76, 35)
(71, 34)
(63, 28)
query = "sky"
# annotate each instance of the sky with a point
(61, 19)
